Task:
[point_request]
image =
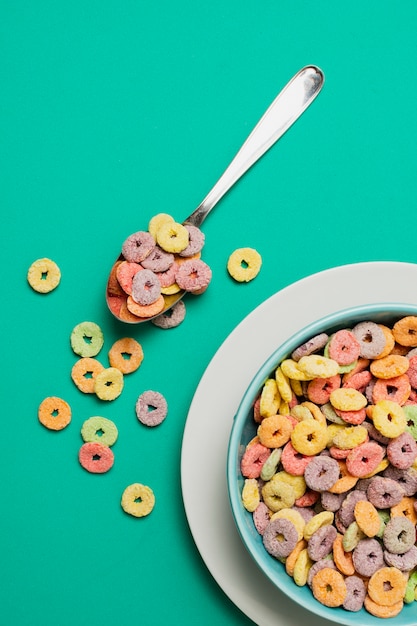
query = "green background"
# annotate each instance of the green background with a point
(112, 111)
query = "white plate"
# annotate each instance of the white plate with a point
(207, 431)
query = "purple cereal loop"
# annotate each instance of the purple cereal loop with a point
(404, 562)
(196, 241)
(306, 512)
(321, 473)
(172, 317)
(261, 517)
(137, 246)
(374, 433)
(368, 557)
(146, 287)
(321, 542)
(167, 278)
(280, 537)
(406, 478)
(356, 592)
(399, 535)
(309, 347)
(384, 492)
(402, 451)
(151, 408)
(193, 275)
(371, 339)
(331, 501)
(158, 260)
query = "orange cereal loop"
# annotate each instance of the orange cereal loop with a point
(380, 610)
(405, 508)
(343, 560)
(113, 285)
(291, 559)
(146, 310)
(345, 482)
(126, 355)
(329, 587)
(125, 315)
(405, 331)
(389, 366)
(367, 518)
(84, 373)
(274, 431)
(387, 586)
(389, 341)
(54, 413)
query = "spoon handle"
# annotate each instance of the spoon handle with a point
(287, 107)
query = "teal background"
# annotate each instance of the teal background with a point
(112, 111)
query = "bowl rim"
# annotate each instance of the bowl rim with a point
(271, 567)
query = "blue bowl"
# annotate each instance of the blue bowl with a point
(244, 429)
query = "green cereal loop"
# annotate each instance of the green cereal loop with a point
(270, 466)
(385, 517)
(99, 429)
(352, 537)
(410, 588)
(410, 411)
(331, 415)
(87, 339)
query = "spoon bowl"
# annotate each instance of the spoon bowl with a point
(287, 107)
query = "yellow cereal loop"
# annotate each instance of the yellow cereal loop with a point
(301, 568)
(301, 413)
(296, 386)
(315, 412)
(157, 221)
(44, 275)
(284, 408)
(283, 385)
(270, 398)
(244, 264)
(296, 482)
(316, 366)
(350, 436)
(293, 516)
(317, 521)
(172, 237)
(250, 494)
(332, 430)
(138, 500)
(291, 559)
(389, 418)
(346, 399)
(309, 437)
(170, 290)
(290, 368)
(278, 494)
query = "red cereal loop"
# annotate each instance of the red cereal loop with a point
(344, 347)
(96, 458)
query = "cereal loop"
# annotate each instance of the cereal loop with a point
(95, 457)
(275, 431)
(99, 429)
(329, 587)
(387, 586)
(87, 339)
(54, 413)
(109, 384)
(44, 275)
(405, 331)
(84, 373)
(244, 264)
(126, 355)
(138, 500)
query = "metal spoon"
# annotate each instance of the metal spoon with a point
(287, 107)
